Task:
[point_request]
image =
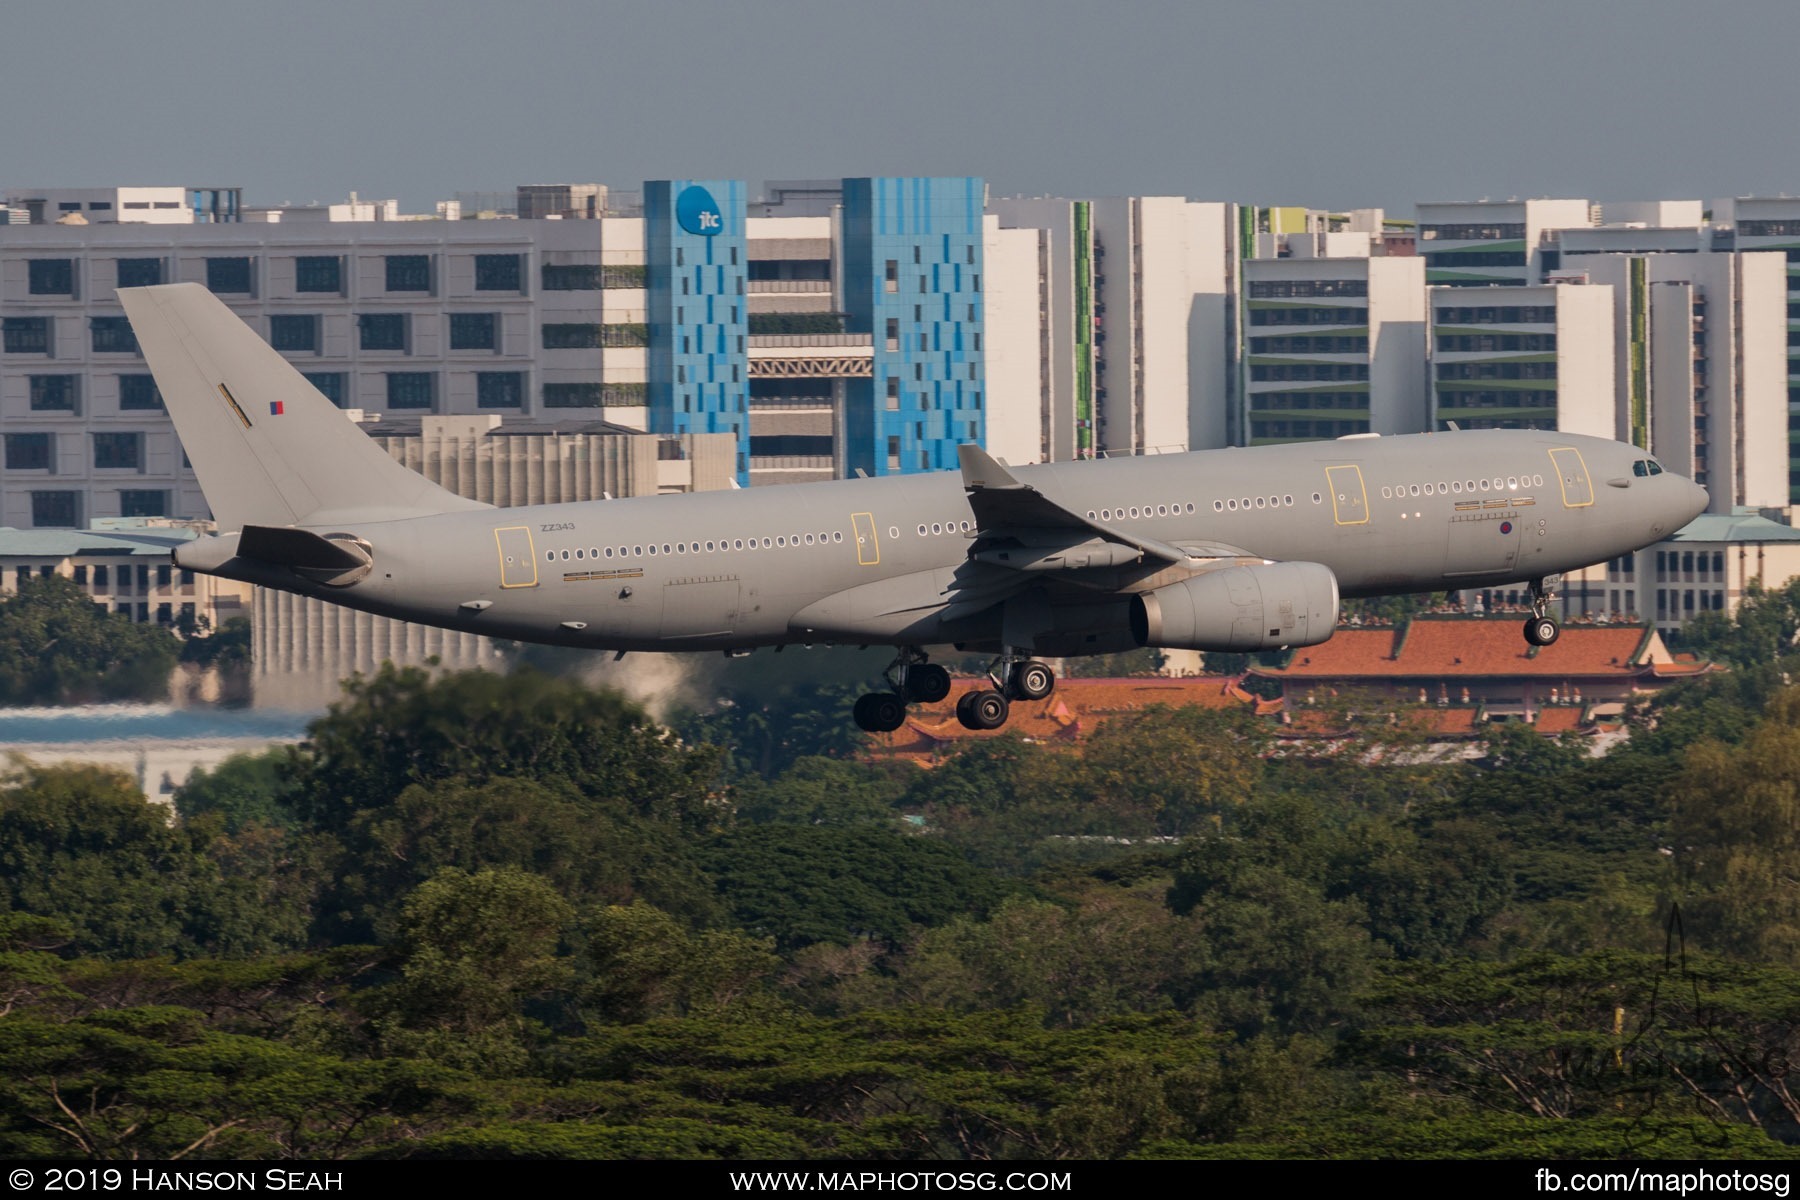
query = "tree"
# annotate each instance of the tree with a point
(402, 726)
(58, 647)
(639, 963)
(1736, 835)
(83, 846)
(472, 949)
(245, 789)
(801, 884)
(1182, 768)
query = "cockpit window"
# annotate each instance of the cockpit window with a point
(1640, 468)
(1655, 467)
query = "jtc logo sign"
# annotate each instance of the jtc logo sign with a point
(697, 212)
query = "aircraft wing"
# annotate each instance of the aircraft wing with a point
(1007, 510)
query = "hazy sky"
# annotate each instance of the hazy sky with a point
(1329, 104)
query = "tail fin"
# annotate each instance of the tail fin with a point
(268, 447)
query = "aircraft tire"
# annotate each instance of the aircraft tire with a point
(927, 683)
(963, 713)
(1033, 680)
(1542, 631)
(987, 710)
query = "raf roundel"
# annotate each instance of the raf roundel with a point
(697, 212)
(1506, 527)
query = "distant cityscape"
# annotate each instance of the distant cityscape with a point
(574, 341)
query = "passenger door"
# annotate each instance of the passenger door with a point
(518, 557)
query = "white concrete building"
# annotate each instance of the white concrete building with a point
(1480, 243)
(1705, 385)
(126, 205)
(1137, 297)
(1772, 223)
(1333, 345)
(1537, 357)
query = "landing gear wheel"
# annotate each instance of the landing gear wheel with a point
(927, 683)
(983, 710)
(1542, 631)
(879, 712)
(1032, 680)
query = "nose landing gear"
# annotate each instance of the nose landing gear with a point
(1542, 629)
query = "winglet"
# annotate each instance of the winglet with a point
(981, 470)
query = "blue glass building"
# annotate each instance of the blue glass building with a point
(698, 314)
(912, 264)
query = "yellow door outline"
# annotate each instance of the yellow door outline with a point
(513, 566)
(1563, 476)
(1342, 486)
(868, 548)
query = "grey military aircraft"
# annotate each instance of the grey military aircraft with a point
(1235, 550)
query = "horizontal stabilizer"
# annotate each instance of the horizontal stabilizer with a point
(334, 560)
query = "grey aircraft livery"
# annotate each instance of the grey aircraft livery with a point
(1242, 549)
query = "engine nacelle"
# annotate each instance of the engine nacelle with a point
(1240, 608)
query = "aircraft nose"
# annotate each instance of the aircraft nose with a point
(1695, 501)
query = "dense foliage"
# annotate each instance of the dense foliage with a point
(512, 916)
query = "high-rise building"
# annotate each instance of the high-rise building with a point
(1135, 303)
(1480, 243)
(1773, 224)
(1538, 357)
(1333, 346)
(912, 260)
(1700, 355)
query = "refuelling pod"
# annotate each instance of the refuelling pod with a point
(1240, 608)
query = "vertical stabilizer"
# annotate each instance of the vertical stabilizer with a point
(268, 448)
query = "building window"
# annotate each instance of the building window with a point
(119, 451)
(25, 335)
(574, 395)
(571, 278)
(319, 273)
(52, 276)
(29, 451)
(143, 504)
(498, 273)
(295, 333)
(500, 389)
(55, 510)
(409, 272)
(571, 337)
(140, 272)
(228, 276)
(474, 331)
(53, 393)
(382, 331)
(139, 392)
(410, 389)
(330, 385)
(112, 335)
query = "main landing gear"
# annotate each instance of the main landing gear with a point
(916, 681)
(913, 680)
(1014, 678)
(1541, 629)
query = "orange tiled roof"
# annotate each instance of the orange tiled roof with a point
(1074, 710)
(1551, 721)
(1438, 647)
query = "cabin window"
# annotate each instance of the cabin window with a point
(1317, 498)
(1512, 483)
(838, 536)
(1231, 504)
(1218, 506)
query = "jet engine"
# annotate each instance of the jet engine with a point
(1240, 608)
